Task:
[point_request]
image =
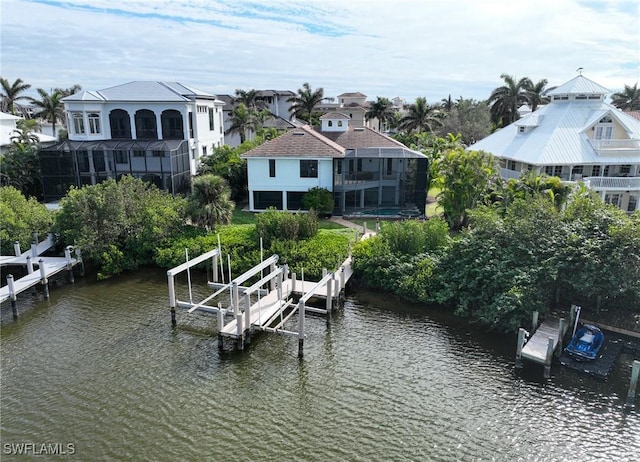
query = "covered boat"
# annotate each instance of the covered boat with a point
(586, 343)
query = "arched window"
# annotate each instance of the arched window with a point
(172, 128)
(120, 124)
(146, 128)
(330, 123)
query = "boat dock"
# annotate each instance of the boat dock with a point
(254, 308)
(546, 340)
(47, 268)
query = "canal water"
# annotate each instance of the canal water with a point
(99, 367)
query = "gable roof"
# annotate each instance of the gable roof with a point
(355, 94)
(299, 143)
(362, 137)
(334, 115)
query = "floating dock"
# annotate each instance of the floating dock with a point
(601, 366)
(255, 308)
(47, 267)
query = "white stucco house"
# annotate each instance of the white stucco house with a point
(364, 169)
(577, 137)
(8, 126)
(157, 131)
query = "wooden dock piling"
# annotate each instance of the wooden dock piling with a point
(534, 321)
(301, 309)
(12, 296)
(43, 278)
(67, 256)
(633, 383)
(16, 248)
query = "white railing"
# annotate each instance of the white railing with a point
(619, 183)
(616, 147)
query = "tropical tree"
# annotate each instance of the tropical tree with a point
(381, 109)
(447, 104)
(75, 88)
(241, 120)
(628, 99)
(19, 217)
(25, 132)
(304, 103)
(506, 100)
(119, 225)
(421, 117)
(318, 199)
(469, 118)
(536, 93)
(11, 95)
(49, 107)
(210, 201)
(249, 99)
(466, 177)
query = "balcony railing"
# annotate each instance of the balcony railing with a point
(616, 147)
(613, 183)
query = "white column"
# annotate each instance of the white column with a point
(132, 125)
(158, 124)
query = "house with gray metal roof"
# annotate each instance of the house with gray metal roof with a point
(577, 137)
(157, 131)
(365, 170)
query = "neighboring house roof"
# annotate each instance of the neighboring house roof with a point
(334, 115)
(299, 143)
(579, 85)
(278, 123)
(275, 93)
(5, 116)
(356, 94)
(143, 91)
(634, 114)
(556, 134)
(362, 137)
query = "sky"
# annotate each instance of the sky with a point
(405, 48)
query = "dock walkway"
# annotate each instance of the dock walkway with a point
(545, 341)
(47, 266)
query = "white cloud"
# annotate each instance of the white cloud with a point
(403, 48)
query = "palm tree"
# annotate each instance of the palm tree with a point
(628, 99)
(49, 107)
(241, 120)
(535, 93)
(447, 103)
(69, 91)
(11, 95)
(249, 99)
(304, 103)
(381, 109)
(506, 100)
(25, 133)
(420, 117)
(210, 201)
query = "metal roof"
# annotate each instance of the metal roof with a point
(117, 145)
(560, 138)
(147, 91)
(579, 85)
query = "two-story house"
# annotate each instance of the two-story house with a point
(157, 131)
(577, 137)
(364, 169)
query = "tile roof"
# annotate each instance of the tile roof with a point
(362, 137)
(356, 94)
(300, 143)
(334, 115)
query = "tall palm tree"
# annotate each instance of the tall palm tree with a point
(49, 107)
(628, 99)
(69, 91)
(536, 93)
(381, 109)
(249, 99)
(25, 132)
(421, 117)
(241, 120)
(11, 95)
(447, 103)
(210, 201)
(304, 103)
(506, 100)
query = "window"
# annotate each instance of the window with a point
(557, 170)
(158, 153)
(272, 168)
(520, 129)
(359, 168)
(389, 166)
(339, 123)
(549, 170)
(94, 123)
(78, 123)
(120, 157)
(204, 150)
(595, 171)
(330, 123)
(511, 164)
(262, 200)
(138, 153)
(625, 169)
(212, 125)
(294, 200)
(577, 170)
(308, 169)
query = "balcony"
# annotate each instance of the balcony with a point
(627, 147)
(613, 183)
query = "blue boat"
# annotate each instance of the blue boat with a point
(586, 343)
